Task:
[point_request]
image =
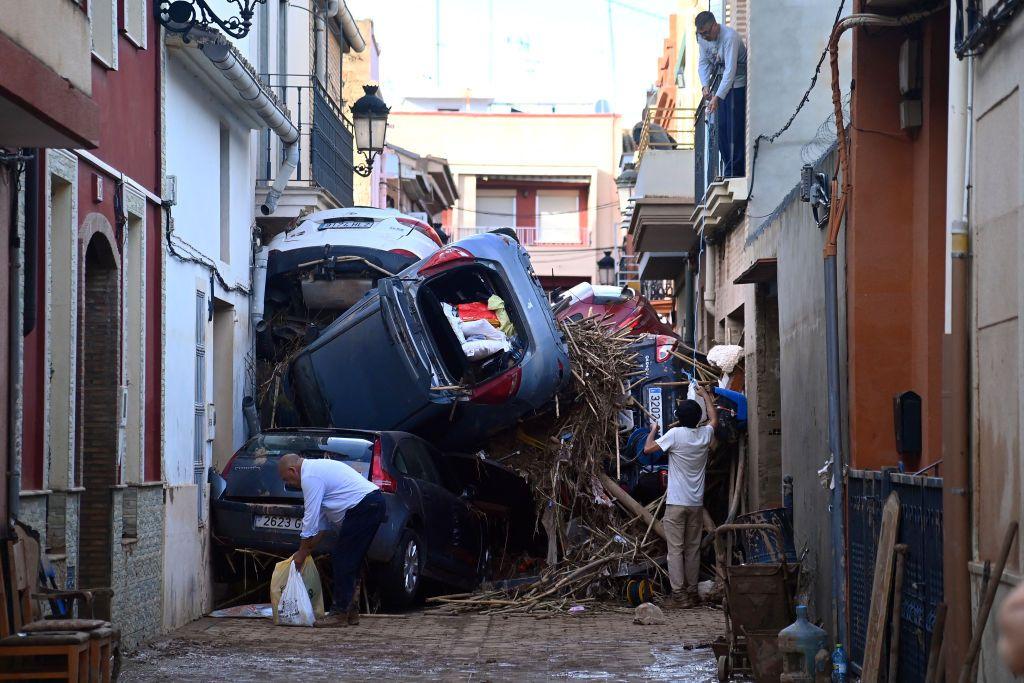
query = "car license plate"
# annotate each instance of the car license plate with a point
(329, 225)
(278, 522)
(654, 405)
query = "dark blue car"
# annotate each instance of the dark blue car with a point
(395, 360)
(431, 529)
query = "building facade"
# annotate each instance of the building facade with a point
(549, 176)
(90, 367)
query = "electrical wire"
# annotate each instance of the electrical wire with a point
(195, 256)
(770, 139)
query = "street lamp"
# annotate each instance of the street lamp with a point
(606, 269)
(181, 16)
(370, 120)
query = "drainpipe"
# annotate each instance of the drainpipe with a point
(689, 320)
(272, 114)
(259, 290)
(349, 29)
(956, 387)
(709, 277)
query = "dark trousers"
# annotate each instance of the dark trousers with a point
(354, 538)
(732, 128)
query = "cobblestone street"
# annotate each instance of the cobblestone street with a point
(418, 646)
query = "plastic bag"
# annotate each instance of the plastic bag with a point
(478, 310)
(691, 393)
(295, 608)
(454, 321)
(310, 579)
(497, 304)
(482, 340)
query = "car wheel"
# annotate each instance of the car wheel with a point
(403, 575)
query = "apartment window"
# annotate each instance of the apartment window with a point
(133, 19)
(558, 219)
(103, 19)
(225, 194)
(495, 208)
(199, 430)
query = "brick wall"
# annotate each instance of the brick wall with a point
(137, 566)
(98, 370)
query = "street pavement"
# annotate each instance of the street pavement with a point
(597, 645)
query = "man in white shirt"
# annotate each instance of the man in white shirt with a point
(722, 52)
(687, 447)
(335, 496)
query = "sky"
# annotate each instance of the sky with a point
(523, 51)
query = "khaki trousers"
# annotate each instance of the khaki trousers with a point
(683, 524)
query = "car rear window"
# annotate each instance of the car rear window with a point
(346, 448)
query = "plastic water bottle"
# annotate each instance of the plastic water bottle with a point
(839, 664)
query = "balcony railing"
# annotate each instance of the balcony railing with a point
(325, 138)
(666, 128)
(656, 290)
(528, 236)
(707, 158)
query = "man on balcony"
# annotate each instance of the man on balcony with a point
(723, 73)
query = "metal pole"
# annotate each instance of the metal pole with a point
(835, 445)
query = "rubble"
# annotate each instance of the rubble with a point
(648, 614)
(564, 457)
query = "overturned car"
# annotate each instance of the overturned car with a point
(455, 348)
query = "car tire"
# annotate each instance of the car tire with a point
(403, 576)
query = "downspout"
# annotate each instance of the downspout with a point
(276, 119)
(837, 214)
(709, 277)
(689, 315)
(259, 289)
(349, 29)
(16, 378)
(956, 387)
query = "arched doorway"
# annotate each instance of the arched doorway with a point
(97, 410)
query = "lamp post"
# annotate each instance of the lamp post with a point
(181, 16)
(370, 121)
(606, 269)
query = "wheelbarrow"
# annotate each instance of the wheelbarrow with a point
(758, 602)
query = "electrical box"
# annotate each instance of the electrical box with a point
(907, 420)
(910, 114)
(910, 66)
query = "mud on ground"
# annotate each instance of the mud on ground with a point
(421, 646)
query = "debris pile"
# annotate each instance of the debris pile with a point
(592, 541)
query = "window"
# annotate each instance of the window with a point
(495, 208)
(199, 428)
(134, 21)
(558, 217)
(225, 194)
(103, 19)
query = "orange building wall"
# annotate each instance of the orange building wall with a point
(895, 245)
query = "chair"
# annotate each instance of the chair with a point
(34, 647)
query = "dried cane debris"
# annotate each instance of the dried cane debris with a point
(592, 540)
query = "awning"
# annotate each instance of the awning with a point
(760, 271)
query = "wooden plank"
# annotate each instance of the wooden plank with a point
(897, 617)
(880, 589)
(5, 624)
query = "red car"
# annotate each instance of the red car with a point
(623, 306)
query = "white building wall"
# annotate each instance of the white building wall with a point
(194, 120)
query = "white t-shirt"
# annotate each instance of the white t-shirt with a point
(329, 488)
(687, 450)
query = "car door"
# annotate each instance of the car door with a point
(466, 528)
(411, 460)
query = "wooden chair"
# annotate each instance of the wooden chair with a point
(34, 647)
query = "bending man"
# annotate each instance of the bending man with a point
(335, 496)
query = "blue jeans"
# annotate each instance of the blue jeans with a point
(732, 128)
(354, 538)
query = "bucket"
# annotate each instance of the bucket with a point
(760, 547)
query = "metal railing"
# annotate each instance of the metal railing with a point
(707, 160)
(656, 290)
(528, 236)
(666, 128)
(325, 138)
(920, 528)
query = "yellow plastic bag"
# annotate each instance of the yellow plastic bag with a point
(310, 577)
(496, 304)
